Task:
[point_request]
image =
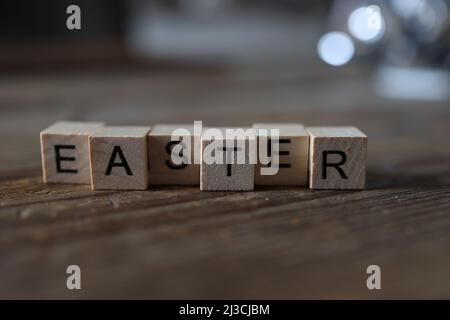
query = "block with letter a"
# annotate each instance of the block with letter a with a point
(119, 158)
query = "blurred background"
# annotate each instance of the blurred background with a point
(225, 62)
(404, 45)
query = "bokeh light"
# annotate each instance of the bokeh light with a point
(366, 23)
(336, 48)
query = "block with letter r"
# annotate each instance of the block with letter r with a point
(338, 157)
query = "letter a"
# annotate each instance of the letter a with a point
(117, 151)
(374, 280)
(74, 20)
(74, 280)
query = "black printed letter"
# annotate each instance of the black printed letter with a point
(280, 153)
(123, 162)
(228, 153)
(325, 163)
(59, 158)
(169, 163)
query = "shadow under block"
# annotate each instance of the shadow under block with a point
(162, 170)
(293, 146)
(226, 176)
(338, 158)
(118, 158)
(65, 152)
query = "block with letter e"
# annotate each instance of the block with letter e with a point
(338, 157)
(118, 158)
(287, 154)
(65, 152)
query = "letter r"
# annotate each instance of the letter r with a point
(336, 165)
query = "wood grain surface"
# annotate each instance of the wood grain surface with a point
(179, 242)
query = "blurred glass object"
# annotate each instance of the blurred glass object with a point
(201, 8)
(405, 44)
(406, 9)
(425, 17)
(422, 84)
(223, 31)
(401, 52)
(336, 48)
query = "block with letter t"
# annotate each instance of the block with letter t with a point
(228, 159)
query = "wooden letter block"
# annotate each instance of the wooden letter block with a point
(162, 170)
(119, 158)
(235, 172)
(65, 152)
(293, 147)
(337, 158)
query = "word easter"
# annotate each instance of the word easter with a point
(217, 159)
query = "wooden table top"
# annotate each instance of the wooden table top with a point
(178, 242)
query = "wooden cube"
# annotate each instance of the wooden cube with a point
(236, 172)
(65, 152)
(292, 147)
(338, 158)
(119, 158)
(164, 171)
